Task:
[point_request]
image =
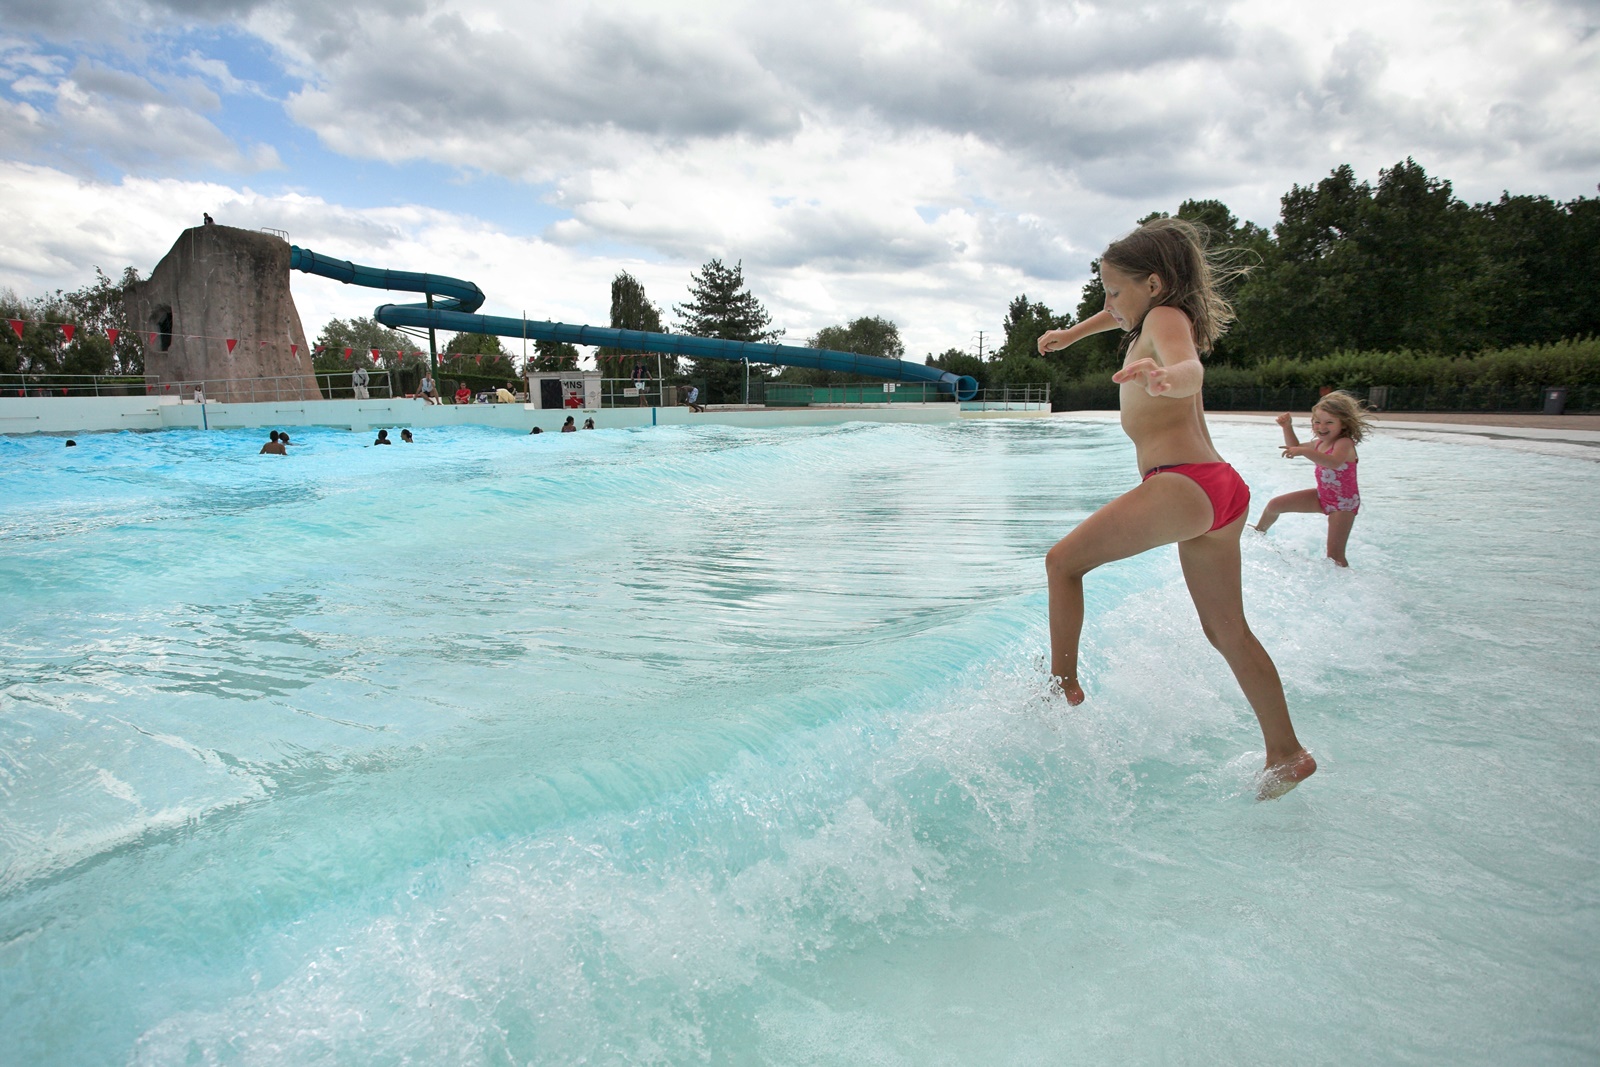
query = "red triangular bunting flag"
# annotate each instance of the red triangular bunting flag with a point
(374, 355)
(231, 342)
(152, 338)
(294, 350)
(69, 329)
(16, 326)
(112, 333)
(347, 353)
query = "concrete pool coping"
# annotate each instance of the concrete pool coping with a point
(1559, 429)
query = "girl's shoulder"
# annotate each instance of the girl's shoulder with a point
(1169, 330)
(1166, 314)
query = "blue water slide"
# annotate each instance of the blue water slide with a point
(455, 302)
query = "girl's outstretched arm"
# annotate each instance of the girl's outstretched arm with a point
(1344, 450)
(1056, 340)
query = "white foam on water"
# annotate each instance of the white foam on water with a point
(821, 808)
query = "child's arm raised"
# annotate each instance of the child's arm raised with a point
(1179, 372)
(1344, 450)
(1056, 340)
(1286, 420)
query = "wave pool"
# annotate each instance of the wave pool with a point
(707, 745)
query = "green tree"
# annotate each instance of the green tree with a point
(720, 306)
(1026, 321)
(632, 310)
(98, 309)
(869, 335)
(92, 311)
(554, 356)
(361, 336)
(477, 353)
(1353, 267)
(1541, 269)
(959, 361)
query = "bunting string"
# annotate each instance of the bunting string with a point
(69, 330)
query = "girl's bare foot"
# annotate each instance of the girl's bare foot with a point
(1069, 688)
(1278, 778)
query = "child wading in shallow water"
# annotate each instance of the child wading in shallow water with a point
(1337, 423)
(1160, 290)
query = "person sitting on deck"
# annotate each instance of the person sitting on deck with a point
(463, 394)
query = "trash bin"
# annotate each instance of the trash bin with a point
(1555, 401)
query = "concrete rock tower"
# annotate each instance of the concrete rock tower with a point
(221, 282)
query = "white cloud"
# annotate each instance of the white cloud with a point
(58, 228)
(920, 161)
(99, 114)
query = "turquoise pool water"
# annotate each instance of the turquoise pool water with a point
(727, 746)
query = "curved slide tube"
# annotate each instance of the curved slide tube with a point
(456, 301)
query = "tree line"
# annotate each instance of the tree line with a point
(1400, 267)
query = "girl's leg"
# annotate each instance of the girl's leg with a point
(1211, 570)
(1339, 524)
(1161, 510)
(1300, 500)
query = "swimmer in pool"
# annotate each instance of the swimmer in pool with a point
(274, 447)
(1338, 423)
(1160, 290)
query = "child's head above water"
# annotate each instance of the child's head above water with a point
(1348, 412)
(1174, 250)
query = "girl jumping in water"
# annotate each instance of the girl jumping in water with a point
(1337, 423)
(1160, 290)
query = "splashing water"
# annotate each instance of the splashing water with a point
(714, 745)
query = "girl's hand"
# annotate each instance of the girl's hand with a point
(1285, 420)
(1291, 451)
(1051, 341)
(1153, 373)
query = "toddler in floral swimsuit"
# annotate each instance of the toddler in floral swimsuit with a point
(1337, 423)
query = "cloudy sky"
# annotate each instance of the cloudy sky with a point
(921, 161)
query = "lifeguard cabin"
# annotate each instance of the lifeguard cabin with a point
(571, 389)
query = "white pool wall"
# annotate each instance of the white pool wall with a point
(99, 414)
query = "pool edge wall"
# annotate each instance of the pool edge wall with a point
(64, 415)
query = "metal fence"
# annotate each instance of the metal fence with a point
(72, 385)
(1009, 398)
(624, 392)
(338, 385)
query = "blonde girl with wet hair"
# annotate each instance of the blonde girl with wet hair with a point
(1338, 423)
(1161, 290)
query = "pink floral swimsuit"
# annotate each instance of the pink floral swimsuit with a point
(1336, 487)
